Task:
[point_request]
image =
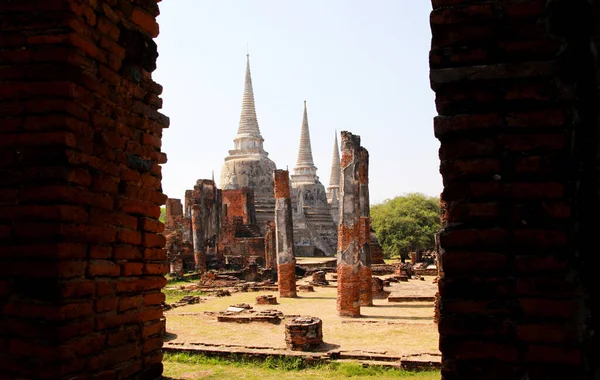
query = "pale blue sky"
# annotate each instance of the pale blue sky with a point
(362, 66)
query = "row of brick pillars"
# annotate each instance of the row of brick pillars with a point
(354, 263)
(284, 232)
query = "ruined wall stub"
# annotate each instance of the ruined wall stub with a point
(239, 203)
(349, 252)
(286, 258)
(173, 210)
(198, 239)
(364, 237)
(206, 221)
(270, 245)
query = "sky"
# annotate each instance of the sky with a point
(362, 66)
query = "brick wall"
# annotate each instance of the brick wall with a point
(81, 252)
(517, 97)
(240, 202)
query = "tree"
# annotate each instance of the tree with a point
(163, 214)
(406, 223)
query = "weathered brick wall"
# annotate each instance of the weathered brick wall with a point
(240, 202)
(81, 252)
(517, 97)
(173, 213)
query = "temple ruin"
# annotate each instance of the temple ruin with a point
(83, 258)
(233, 224)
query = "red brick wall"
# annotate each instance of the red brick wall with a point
(237, 204)
(517, 96)
(82, 262)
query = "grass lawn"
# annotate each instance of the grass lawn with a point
(185, 366)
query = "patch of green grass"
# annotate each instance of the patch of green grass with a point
(174, 295)
(191, 366)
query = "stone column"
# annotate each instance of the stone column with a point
(198, 239)
(284, 235)
(349, 267)
(270, 251)
(364, 243)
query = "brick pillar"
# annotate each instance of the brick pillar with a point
(364, 238)
(349, 231)
(270, 239)
(82, 258)
(286, 257)
(517, 95)
(198, 239)
(173, 213)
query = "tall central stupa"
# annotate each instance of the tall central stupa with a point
(315, 232)
(248, 165)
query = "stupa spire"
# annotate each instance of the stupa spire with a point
(305, 157)
(334, 179)
(248, 121)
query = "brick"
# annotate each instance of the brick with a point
(122, 337)
(132, 269)
(145, 21)
(154, 298)
(103, 268)
(155, 254)
(151, 240)
(129, 237)
(156, 268)
(553, 354)
(135, 207)
(151, 225)
(101, 252)
(140, 284)
(128, 303)
(126, 252)
(106, 304)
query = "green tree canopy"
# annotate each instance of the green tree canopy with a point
(406, 223)
(163, 214)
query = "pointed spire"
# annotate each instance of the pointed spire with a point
(334, 179)
(305, 158)
(248, 121)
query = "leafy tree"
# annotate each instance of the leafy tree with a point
(163, 214)
(406, 223)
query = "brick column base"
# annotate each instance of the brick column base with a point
(366, 286)
(286, 274)
(348, 300)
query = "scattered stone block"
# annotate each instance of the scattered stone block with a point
(244, 306)
(304, 333)
(250, 316)
(318, 279)
(266, 300)
(306, 288)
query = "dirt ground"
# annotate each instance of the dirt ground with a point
(398, 329)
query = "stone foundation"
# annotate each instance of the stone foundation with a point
(304, 334)
(266, 300)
